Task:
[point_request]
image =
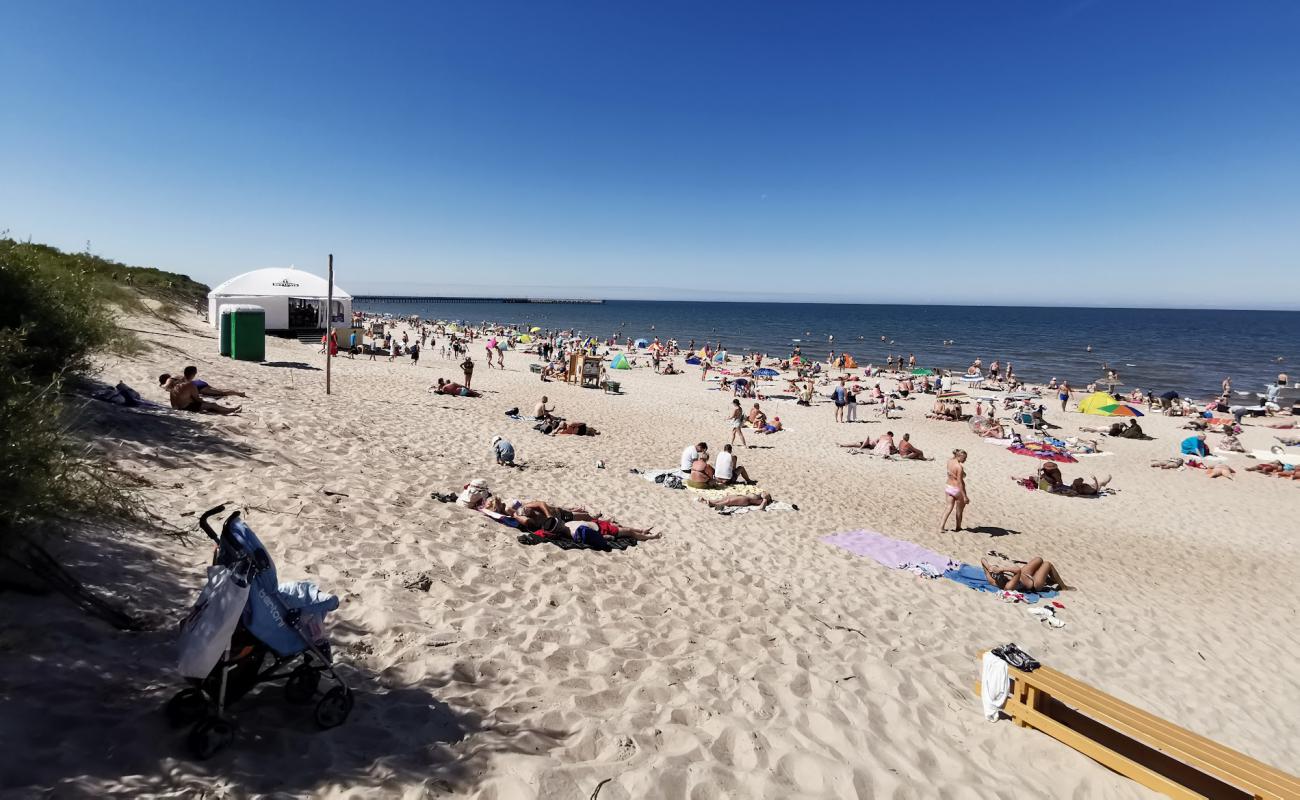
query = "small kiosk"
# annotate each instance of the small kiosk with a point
(584, 370)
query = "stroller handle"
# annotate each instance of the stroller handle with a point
(203, 522)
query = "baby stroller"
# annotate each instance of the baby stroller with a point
(277, 634)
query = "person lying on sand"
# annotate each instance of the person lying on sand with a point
(532, 514)
(1220, 471)
(1034, 576)
(762, 500)
(1274, 468)
(574, 429)
(865, 444)
(581, 529)
(454, 389)
(185, 396)
(773, 427)
(1167, 463)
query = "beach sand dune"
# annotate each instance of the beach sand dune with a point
(736, 657)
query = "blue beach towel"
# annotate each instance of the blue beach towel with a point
(973, 576)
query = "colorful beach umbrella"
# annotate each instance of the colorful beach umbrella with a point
(534, 329)
(1119, 410)
(765, 372)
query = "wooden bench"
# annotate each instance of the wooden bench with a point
(1155, 753)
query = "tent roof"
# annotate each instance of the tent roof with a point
(278, 282)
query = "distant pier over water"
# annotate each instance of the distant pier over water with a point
(378, 298)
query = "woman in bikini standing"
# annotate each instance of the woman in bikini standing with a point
(956, 488)
(737, 423)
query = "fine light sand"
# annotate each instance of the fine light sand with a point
(736, 657)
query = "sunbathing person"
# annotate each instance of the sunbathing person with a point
(907, 450)
(1093, 489)
(1220, 471)
(728, 470)
(1275, 468)
(1035, 576)
(772, 427)
(1050, 474)
(865, 444)
(581, 530)
(1167, 463)
(574, 429)
(454, 389)
(184, 395)
(532, 514)
(542, 411)
(762, 500)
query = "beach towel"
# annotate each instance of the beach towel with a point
(1044, 451)
(509, 522)
(892, 553)
(566, 543)
(973, 577)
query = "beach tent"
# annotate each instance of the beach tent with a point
(1093, 403)
(620, 362)
(291, 298)
(849, 362)
(720, 357)
(641, 343)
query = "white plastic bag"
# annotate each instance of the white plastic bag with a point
(206, 632)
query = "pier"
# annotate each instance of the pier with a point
(376, 298)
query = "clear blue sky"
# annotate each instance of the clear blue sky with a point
(1071, 152)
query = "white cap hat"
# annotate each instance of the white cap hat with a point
(496, 439)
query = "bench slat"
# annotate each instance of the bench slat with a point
(1217, 759)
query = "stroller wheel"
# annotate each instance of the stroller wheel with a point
(186, 707)
(333, 709)
(210, 737)
(302, 683)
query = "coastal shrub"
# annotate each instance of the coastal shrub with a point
(56, 312)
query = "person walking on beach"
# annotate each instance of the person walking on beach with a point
(956, 489)
(1063, 394)
(415, 353)
(737, 423)
(467, 367)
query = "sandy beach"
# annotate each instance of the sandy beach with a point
(738, 656)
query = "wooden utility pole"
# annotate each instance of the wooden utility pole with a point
(329, 326)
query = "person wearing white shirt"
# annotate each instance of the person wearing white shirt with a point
(725, 469)
(689, 454)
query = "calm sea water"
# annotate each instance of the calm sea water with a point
(1159, 349)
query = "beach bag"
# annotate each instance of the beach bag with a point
(206, 632)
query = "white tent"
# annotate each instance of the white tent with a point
(293, 299)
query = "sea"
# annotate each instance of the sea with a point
(1187, 351)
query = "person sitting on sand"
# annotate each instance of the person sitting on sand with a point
(701, 472)
(909, 451)
(762, 500)
(1036, 576)
(669, 369)
(574, 429)
(1195, 446)
(1049, 477)
(728, 472)
(206, 389)
(185, 396)
(754, 415)
(504, 451)
(884, 445)
(542, 411)
(692, 452)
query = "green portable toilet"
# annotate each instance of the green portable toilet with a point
(223, 326)
(248, 333)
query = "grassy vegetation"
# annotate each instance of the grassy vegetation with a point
(57, 311)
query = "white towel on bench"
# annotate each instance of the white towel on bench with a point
(995, 685)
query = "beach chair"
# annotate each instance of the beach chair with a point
(1138, 745)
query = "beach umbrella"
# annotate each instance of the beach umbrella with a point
(452, 329)
(641, 343)
(534, 329)
(1119, 410)
(1096, 401)
(765, 372)
(525, 338)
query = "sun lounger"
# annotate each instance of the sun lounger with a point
(1155, 753)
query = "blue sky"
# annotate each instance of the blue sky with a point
(1073, 152)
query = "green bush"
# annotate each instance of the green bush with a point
(56, 312)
